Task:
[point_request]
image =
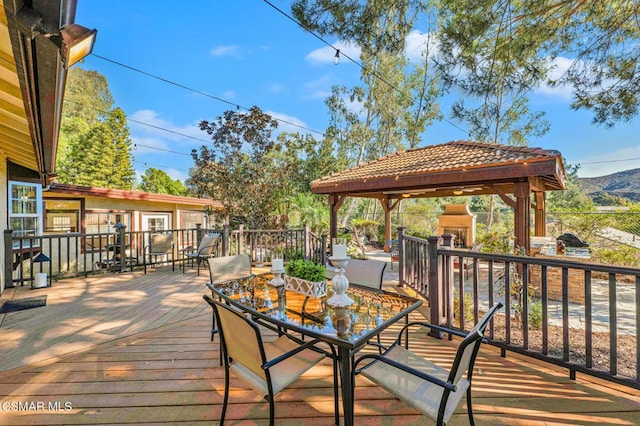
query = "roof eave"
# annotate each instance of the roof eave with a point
(550, 167)
(41, 74)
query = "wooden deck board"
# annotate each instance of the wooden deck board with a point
(135, 349)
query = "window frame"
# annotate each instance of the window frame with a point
(38, 215)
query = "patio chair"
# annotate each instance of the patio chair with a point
(422, 384)
(267, 367)
(160, 244)
(228, 268)
(367, 273)
(205, 250)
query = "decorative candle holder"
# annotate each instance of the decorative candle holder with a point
(339, 284)
(277, 280)
(341, 320)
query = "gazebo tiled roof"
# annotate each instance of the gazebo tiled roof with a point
(453, 164)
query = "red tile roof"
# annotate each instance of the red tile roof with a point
(450, 156)
(70, 189)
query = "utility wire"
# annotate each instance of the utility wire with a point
(610, 161)
(341, 53)
(182, 86)
(142, 123)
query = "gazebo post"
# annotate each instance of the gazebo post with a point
(540, 213)
(522, 214)
(335, 202)
(388, 206)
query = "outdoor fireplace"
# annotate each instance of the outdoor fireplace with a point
(458, 220)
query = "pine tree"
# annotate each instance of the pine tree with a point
(95, 148)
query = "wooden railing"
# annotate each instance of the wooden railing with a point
(578, 315)
(76, 254)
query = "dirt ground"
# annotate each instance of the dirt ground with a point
(600, 344)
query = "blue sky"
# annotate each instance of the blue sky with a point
(247, 53)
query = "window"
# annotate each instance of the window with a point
(98, 223)
(61, 216)
(191, 219)
(25, 210)
(102, 223)
(156, 222)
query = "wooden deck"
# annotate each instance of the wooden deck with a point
(136, 349)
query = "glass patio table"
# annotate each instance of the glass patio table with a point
(348, 329)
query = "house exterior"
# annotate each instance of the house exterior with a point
(32, 83)
(89, 210)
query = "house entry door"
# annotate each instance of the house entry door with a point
(156, 222)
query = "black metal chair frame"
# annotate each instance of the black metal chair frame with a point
(266, 364)
(475, 337)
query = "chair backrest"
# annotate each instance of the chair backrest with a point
(240, 337)
(468, 349)
(227, 268)
(368, 273)
(208, 244)
(161, 243)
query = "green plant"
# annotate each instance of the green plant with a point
(467, 306)
(306, 270)
(535, 315)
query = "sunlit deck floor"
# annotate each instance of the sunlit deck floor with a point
(136, 349)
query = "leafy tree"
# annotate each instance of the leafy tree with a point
(494, 70)
(159, 182)
(238, 171)
(102, 156)
(87, 96)
(306, 209)
(598, 38)
(95, 145)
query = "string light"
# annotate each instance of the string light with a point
(336, 59)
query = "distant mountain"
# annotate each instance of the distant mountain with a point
(622, 184)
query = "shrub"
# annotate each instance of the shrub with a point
(306, 270)
(468, 307)
(535, 315)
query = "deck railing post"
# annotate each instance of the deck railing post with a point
(226, 232)
(323, 249)
(436, 293)
(448, 242)
(401, 260)
(240, 242)
(122, 247)
(198, 234)
(8, 258)
(305, 241)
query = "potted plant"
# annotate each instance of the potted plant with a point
(306, 277)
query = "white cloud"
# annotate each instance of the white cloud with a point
(326, 55)
(231, 51)
(558, 67)
(606, 163)
(177, 174)
(417, 42)
(156, 124)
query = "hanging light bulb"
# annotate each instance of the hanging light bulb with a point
(336, 58)
(135, 147)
